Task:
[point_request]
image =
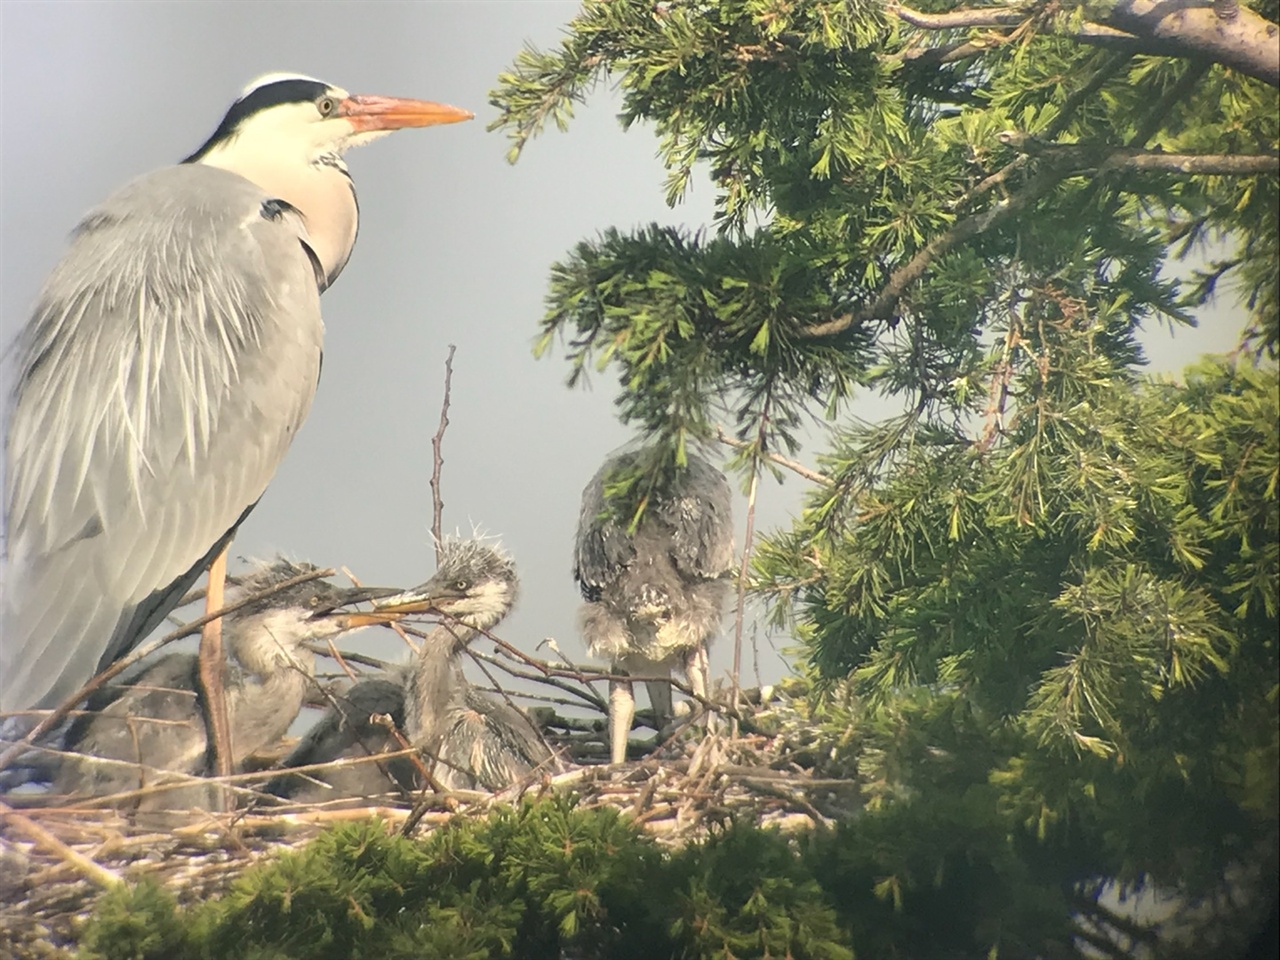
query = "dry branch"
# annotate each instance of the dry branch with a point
(437, 457)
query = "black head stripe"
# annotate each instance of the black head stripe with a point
(292, 90)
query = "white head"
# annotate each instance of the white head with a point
(272, 631)
(476, 584)
(296, 117)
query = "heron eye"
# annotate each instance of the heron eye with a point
(327, 106)
(461, 585)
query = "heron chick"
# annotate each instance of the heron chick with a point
(154, 725)
(480, 743)
(172, 356)
(654, 595)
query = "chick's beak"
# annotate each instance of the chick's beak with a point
(351, 596)
(367, 112)
(430, 597)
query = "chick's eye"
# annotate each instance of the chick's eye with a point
(327, 106)
(461, 585)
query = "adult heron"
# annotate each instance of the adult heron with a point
(172, 356)
(654, 595)
(153, 726)
(479, 742)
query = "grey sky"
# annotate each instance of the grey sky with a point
(454, 248)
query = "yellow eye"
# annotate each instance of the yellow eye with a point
(461, 586)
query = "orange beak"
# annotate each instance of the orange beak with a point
(367, 112)
(361, 618)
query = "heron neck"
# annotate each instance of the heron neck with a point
(264, 705)
(321, 190)
(431, 682)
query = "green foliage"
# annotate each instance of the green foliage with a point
(683, 318)
(135, 923)
(750, 895)
(1043, 600)
(884, 214)
(544, 880)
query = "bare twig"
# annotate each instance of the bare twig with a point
(537, 730)
(93, 871)
(336, 655)
(1083, 157)
(739, 616)
(349, 657)
(583, 693)
(793, 465)
(961, 19)
(141, 652)
(437, 457)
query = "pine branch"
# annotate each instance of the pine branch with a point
(1220, 164)
(1236, 38)
(892, 292)
(793, 465)
(1218, 30)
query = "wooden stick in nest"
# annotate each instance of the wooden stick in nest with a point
(139, 653)
(86, 867)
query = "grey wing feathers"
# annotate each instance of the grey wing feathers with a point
(698, 510)
(157, 722)
(347, 731)
(602, 546)
(487, 744)
(173, 354)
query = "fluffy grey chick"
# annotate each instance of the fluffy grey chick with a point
(654, 597)
(480, 743)
(153, 726)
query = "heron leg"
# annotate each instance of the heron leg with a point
(212, 670)
(697, 668)
(622, 710)
(660, 700)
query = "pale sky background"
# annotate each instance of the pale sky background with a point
(454, 247)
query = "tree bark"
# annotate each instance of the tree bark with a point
(1232, 36)
(1217, 30)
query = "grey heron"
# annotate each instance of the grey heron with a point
(153, 725)
(480, 742)
(172, 355)
(653, 596)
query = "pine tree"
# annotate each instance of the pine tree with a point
(1051, 585)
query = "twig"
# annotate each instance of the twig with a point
(528, 720)
(93, 871)
(139, 653)
(960, 19)
(739, 617)
(349, 657)
(793, 465)
(437, 457)
(592, 676)
(584, 694)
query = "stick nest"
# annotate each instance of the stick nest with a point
(55, 858)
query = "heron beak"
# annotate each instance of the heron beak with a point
(359, 618)
(427, 598)
(368, 113)
(363, 618)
